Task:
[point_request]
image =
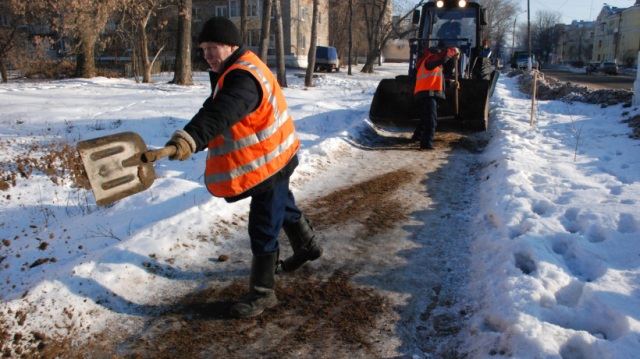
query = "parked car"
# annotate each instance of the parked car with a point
(592, 67)
(609, 67)
(327, 59)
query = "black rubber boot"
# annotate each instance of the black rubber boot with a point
(305, 249)
(417, 134)
(262, 283)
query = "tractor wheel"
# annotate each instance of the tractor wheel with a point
(482, 70)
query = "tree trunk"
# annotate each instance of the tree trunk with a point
(311, 58)
(3, 71)
(368, 65)
(144, 57)
(350, 33)
(86, 64)
(243, 22)
(378, 29)
(134, 63)
(144, 51)
(265, 32)
(183, 75)
(281, 70)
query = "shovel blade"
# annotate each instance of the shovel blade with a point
(114, 166)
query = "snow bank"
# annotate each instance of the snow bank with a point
(557, 261)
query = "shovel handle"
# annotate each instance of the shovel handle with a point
(457, 74)
(152, 156)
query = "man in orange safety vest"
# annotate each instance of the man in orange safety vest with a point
(252, 146)
(430, 87)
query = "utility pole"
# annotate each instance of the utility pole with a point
(617, 37)
(513, 36)
(529, 64)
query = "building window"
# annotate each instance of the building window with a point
(304, 42)
(253, 10)
(64, 45)
(303, 14)
(254, 37)
(5, 20)
(318, 43)
(319, 17)
(234, 8)
(221, 11)
(195, 14)
(272, 40)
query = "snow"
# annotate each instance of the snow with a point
(557, 260)
(555, 264)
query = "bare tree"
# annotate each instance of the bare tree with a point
(139, 13)
(377, 17)
(311, 58)
(346, 33)
(12, 35)
(500, 14)
(83, 20)
(265, 31)
(281, 70)
(379, 26)
(544, 33)
(183, 74)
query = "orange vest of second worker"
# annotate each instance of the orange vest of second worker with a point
(429, 80)
(258, 146)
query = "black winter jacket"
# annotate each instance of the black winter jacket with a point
(240, 95)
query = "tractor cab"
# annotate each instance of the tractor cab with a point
(452, 23)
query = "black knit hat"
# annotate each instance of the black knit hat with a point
(222, 30)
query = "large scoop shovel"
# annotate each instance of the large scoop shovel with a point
(119, 165)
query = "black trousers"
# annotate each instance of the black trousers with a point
(268, 212)
(428, 121)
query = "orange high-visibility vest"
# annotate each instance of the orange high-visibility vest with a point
(258, 146)
(429, 80)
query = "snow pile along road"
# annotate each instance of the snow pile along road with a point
(557, 258)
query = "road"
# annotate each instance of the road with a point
(598, 81)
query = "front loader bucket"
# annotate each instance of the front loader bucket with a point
(474, 97)
(393, 103)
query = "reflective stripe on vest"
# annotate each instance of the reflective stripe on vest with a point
(429, 80)
(256, 147)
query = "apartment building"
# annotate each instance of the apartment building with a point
(576, 43)
(617, 35)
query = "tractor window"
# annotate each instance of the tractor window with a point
(452, 24)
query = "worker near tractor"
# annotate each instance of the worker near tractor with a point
(252, 151)
(449, 31)
(430, 83)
